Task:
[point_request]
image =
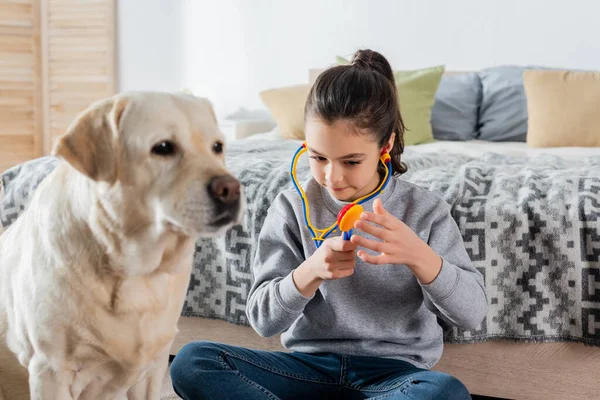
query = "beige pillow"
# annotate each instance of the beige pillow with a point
(286, 105)
(563, 108)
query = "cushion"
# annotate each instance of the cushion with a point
(563, 108)
(286, 105)
(416, 95)
(416, 92)
(454, 115)
(503, 110)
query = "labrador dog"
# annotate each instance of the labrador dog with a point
(94, 273)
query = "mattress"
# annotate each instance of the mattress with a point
(520, 216)
(475, 148)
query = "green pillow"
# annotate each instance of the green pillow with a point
(416, 95)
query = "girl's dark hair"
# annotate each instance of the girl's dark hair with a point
(363, 93)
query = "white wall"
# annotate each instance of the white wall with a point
(149, 44)
(229, 50)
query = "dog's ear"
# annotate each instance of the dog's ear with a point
(90, 143)
(211, 108)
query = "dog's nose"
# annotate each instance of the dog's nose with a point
(225, 189)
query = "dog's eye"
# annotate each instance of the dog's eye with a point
(218, 147)
(164, 148)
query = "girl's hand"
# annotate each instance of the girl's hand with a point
(398, 245)
(334, 259)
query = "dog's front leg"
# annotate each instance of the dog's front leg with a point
(47, 384)
(150, 386)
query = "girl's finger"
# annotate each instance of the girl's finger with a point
(345, 256)
(339, 245)
(372, 259)
(377, 219)
(333, 270)
(345, 264)
(378, 208)
(380, 233)
(379, 247)
(382, 217)
(343, 273)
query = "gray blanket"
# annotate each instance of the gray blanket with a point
(531, 226)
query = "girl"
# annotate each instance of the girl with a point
(359, 316)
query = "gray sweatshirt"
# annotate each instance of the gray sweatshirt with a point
(379, 311)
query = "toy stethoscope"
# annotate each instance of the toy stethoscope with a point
(350, 213)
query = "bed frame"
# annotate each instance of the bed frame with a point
(504, 369)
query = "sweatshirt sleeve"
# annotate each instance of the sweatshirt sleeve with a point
(274, 302)
(458, 292)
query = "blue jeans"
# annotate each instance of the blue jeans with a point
(207, 370)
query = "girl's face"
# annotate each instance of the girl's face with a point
(342, 161)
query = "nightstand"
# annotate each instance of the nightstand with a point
(239, 129)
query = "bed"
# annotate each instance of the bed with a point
(529, 219)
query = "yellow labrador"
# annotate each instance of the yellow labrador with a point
(93, 275)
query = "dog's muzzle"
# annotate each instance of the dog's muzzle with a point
(225, 192)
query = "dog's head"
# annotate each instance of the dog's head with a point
(159, 159)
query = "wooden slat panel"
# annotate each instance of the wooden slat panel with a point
(15, 31)
(65, 5)
(76, 50)
(77, 32)
(16, 44)
(77, 3)
(66, 41)
(16, 13)
(17, 102)
(8, 129)
(73, 86)
(13, 59)
(12, 74)
(72, 22)
(19, 92)
(80, 64)
(67, 71)
(38, 121)
(24, 86)
(26, 2)
(15, 150)
(56, 57)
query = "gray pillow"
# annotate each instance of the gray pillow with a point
(455, 111)
(503, 111)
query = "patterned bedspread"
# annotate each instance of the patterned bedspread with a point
(531, 226)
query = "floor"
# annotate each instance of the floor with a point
(167, 391)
